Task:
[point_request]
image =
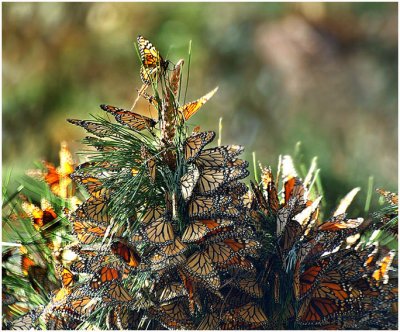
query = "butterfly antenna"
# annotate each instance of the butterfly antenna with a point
(188, 71)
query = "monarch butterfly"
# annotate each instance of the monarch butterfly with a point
(293, 187)
(199, 265)
(267, 180)
(172, 315)
(88, 232)
(160, 232)
(101, 145)
(166, 264)
(188, 182)
(40, 216)
(191, 292)
(251, 313)
(199, 229)
(237, 262)
(212, 179)
(94, 186)
(291, 234)
(223, 251)
(391, 198)
(259, 198)
(95, 128)
(338, 223)
(152, 62)
(219, 156)
(250, 286)
(189, 109)
(171, 291)
(175, 248)
(127, 253)
(151, 99)
(60, 322)
(150, 163)
(87, 261)
(37, 275)
(195, 143)
(103, 276)
(212, 207)
(96, 209)
(152, 214)
(26, 322)
(317, 309)
(66, 276)
(210, 321)
(117, 293)
(83, 306)
(57, 177)
(283, 216)
(130, 119)
(382, 272)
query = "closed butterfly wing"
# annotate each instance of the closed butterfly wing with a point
(252, 314)
(126, 253)
(251, 286)
(189, 109)
(188, 183)
(104, 276)
(194, 144)
(130, 119)
(160, 232)
(95, 209)
(153, 64)
(381, 274)
(152, 214)
(199, 265)
(150, 163)
(197, 230)
(210, 321)
(212, 179)
(88, 232)
(94, 128)
(219, 156)
(116, 293)
(175, 248)
(172, 291)
(148, 53)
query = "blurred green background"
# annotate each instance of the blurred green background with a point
(324, 74)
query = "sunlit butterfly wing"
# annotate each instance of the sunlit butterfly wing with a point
(189, 109)
(382, 272)
(188, 182)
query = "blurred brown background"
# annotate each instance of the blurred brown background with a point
(324, 74)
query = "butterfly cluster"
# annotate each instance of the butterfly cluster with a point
(164, 233)
(334, 280)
